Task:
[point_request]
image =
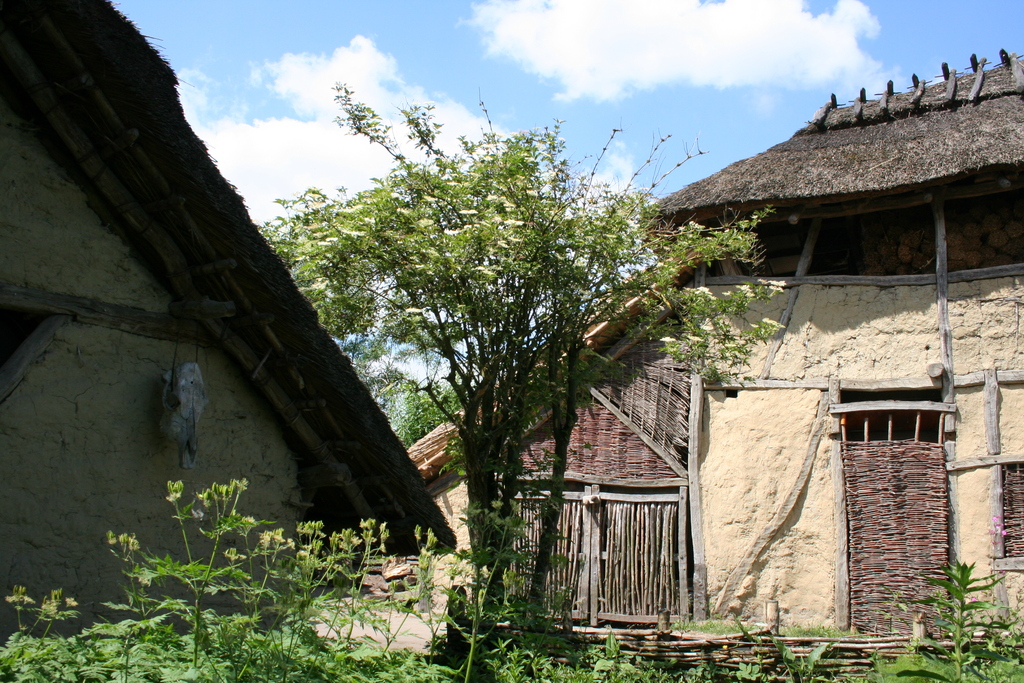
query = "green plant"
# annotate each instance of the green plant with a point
(243, 603)
(962, 615)
(801, 669)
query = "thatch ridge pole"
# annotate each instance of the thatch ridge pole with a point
(30, 349)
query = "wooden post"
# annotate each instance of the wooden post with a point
(593, 544)
(700, 587)
(682, 558)
(992, 437)
(919, 632)
(842, 587)
(31, 348)
(946, 354)
(771, 616)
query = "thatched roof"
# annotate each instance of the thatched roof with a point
(83, 73)
(882, 151)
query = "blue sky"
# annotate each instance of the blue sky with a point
(739, 75)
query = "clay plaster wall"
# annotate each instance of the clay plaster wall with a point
(985, 319)
(853, 332)
(79, 437)
(756, 444)
(83, 454)
(51, 239)
(974, 486)
(453, 504)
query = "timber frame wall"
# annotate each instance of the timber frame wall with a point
(940, 377)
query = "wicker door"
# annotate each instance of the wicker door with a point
(898, 515)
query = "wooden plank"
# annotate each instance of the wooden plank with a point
(669, 458)
(992, 439)
(113, 316)
(995, 498)
(895, 384)
(976, 379)
(785, 509)
(801, 269)
(594, 555)
(866, 406)
(13, 371)
(700, 611)
(812, 383)
(614, 481)
(585, 596)
(682, 562)
(824, 280)
(974, 463)
(641, 497)
(942, 295)
(1009, 564)
(842, 587)
(987, 273)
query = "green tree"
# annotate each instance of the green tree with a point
(494, 260)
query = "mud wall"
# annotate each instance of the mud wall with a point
(51, 239)
(80, 442)
(756, 445)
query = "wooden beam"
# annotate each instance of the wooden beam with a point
(896, 384)
(811, 383)
(1009, 564)
(842, 585)
(975, 379)
(669, 458)
(991, 410)
(782, 514)
(682, 561)
(700, 571)
(13, 371)
(113, 316)
(942, 296)
(991, 461)
(614, 481)
(974, 274)
(801, 269)
(864, 406)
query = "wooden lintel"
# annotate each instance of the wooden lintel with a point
(14, 369)
(896, 384)
(113, 316)
(809, 383)
(864, 406)
(990, 461)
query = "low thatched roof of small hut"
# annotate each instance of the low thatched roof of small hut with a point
(958, 127)
(107, 109)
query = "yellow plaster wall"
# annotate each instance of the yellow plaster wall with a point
(51, 239)
(985, 319)
(755, 447)
(83, 454)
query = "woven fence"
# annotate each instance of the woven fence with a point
(897, 507)
(1013, 510)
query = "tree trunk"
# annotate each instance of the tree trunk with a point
(562, 420)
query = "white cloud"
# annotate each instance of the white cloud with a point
(604, 49)
(273, 158)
